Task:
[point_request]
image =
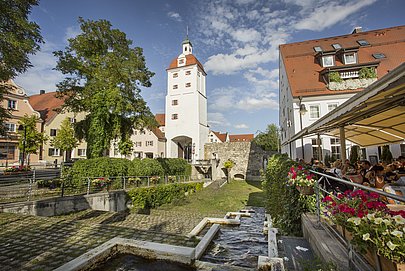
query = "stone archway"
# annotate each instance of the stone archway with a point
(184, 147)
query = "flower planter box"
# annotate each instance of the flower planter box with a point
(386, 264)
(305, 190)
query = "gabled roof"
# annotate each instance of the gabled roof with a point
(190, 60)
(303, 70)
(160, 118)
(46, 104)
(158, 133)
(220, 136)
(241, 138)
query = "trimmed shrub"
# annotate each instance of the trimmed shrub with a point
(283, 202)
(145, 167)
(175, 166)
(99, 167)
(152, 197)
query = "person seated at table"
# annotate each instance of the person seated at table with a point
(390, 175)
(337, 169)
(379, 181)
(365, 167)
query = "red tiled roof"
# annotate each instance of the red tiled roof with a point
(220, 136)
(241, 138)
(46, 104)
(159, 134)
(303, 71)
(190, 60)
(160, 118)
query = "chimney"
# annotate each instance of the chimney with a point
(42, 91)
(357, 29)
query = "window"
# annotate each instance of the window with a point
(135, 132)
(335, 147)
(181, 61)
(379, 56)
(175, 102)
(336, 46)
(175, 75)
(149, 143)
(188, 72)
(350, 58)
(318, 49)
(10, 127)
(72, 120)
(198, 74)
(328, 61)
(142, 132)
(81, 152)
(52, 132)
(12, 104)
(188, 85)
(53, 152)
(175, 86)
(363, 42)
(7, 151)
(332, 106)
(402, 146)
(314, 112)
(138, 144)
(175, 116)
(138, 154)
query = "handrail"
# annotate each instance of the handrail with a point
(383, 193)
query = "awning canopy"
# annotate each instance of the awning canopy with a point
(374, 116)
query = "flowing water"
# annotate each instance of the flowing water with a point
(240, 245)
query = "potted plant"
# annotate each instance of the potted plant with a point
(302, 179)
(102, 183)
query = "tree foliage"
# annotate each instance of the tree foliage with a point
(65, 139)
(103, 78)
(18, 39)
(268, 140)
(386, 155)
(32, 137)
(354, 154)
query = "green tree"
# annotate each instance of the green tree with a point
(125, 146)
(65, 139)
(270, 139)
(103, 78)
(386, 155)
(30, 136)
(354, 154)
(18, 39)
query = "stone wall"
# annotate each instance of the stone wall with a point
(249, 159)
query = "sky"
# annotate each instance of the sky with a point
(236, 41)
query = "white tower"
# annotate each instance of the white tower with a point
(186, 107)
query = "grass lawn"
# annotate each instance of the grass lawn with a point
(230, 197)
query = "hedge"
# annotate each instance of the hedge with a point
(99, 167)
(152, 197)
(145, 167)
(283, 202)
(175, 166)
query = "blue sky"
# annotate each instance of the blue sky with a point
(236, 40)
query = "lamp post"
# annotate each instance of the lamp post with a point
(303, 110)
(21, 128)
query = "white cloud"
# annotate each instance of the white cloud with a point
(175, 16)
(41, 75)
(324, 16)
(71, 32)
(251, 103)
(241, 126)
(246, 35)
(216, 119)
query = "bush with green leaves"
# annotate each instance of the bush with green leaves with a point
(283, 202)
(152, 197)
(175, 166)
(367, 73)
(335, 77)
(99, 167)
(145, 167)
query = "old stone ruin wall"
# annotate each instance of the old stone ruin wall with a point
(249, 159)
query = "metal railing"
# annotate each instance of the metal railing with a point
(356, 261)
(41, 185)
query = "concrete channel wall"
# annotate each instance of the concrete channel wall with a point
(115, 201)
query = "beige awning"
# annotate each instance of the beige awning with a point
(374, 116)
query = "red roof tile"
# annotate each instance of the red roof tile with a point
(46, 104)
(241, 138)
(160, 118)
(159, 134)
(303, 71)
(190, 60)
(220, 136)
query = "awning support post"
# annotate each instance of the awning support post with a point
(342, 143)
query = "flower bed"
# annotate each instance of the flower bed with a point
(17, 169)
(102, 183)
(302, 179)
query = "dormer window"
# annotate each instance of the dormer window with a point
(350, 58)
(328, 61)
(181, 62)
(379, 56)
(336, 46)
(318, 49)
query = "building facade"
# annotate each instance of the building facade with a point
(316, 76)
(16, 101)
(186, 126)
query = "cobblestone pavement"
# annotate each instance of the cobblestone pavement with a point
(44, 243)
